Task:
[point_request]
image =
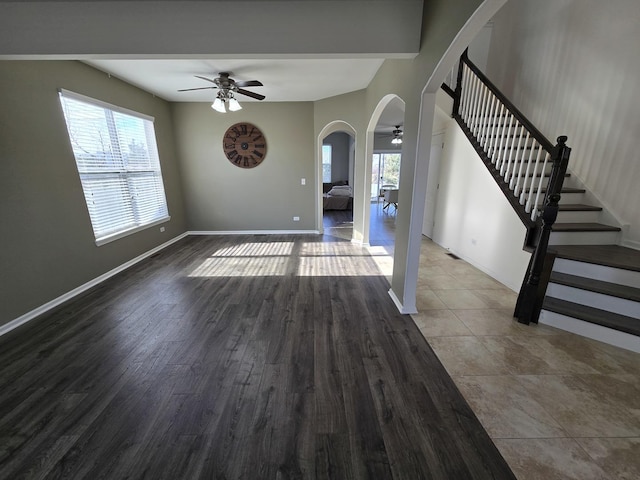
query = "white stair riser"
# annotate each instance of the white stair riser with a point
(591, 330)
(598, 272)
(601, 301)
(578, 217)
(572, 198)
(583, 238)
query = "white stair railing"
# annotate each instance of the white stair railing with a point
(518, 151)
(529, 169)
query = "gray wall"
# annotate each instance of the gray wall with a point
(47, 243)
(220, 196)
(572, 67)
(340, 154)
(382, 143)
(442, 22)
(177, 27)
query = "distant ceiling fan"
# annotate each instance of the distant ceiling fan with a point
(228, 87)
(396, 134)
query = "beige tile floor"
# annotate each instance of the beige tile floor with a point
(557, 406)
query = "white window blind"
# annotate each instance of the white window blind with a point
(117, 159)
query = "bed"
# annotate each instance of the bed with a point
(337, 196)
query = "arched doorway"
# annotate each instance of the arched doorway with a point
(386, 162)
(394, 106)
(405, 279)
(335, 164)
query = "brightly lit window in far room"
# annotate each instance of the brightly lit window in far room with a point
(117, 159)
(326, 163)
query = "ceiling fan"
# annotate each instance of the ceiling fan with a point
(228, 87)
(396, 134)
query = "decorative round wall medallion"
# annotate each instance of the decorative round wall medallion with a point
(244, 145)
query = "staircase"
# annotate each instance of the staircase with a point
(587, 293)
(594, 290)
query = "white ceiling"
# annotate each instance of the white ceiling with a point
(285, 80)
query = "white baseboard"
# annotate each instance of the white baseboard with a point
(253, 232)
(21, 320)
(405, 310)
(631, 244)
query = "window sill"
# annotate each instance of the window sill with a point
(131, 231)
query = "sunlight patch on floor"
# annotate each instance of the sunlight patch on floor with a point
(256, 249)
(383, 256)
(242, 267)
(260, 259)
(335, 267)
(329, 249)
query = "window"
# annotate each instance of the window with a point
(385, 171)
(117, 159)
(326, 163)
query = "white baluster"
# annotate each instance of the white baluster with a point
(475, 102)
(530, 193)
(502, 128)
(516, 189)
(506, 161)
(525, 180)
(464, 94)
(513, 156)
(534, 213)
(490, 118)
(482, 119)
(494, 132)
(487, 118)
(469, 108)
(476, 106)
(505, 146)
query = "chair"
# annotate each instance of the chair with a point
(390, 198)
(384, 188)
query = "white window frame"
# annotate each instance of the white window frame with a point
(114, 176)
(327, 156)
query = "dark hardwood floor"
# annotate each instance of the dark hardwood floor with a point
(382, 224)
(253, 357)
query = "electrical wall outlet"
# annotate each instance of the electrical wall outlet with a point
(303, 181)
(296, 219)
(162, 229)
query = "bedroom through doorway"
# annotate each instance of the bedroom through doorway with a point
(338, 152)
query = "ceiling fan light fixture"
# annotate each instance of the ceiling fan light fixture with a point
(397, 136)
(218, 105)
(227, 88)
(234, 105)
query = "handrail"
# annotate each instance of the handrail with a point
(515, 151)
(546, 143)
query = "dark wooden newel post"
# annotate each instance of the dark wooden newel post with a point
(458, 91)
(530, 298)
